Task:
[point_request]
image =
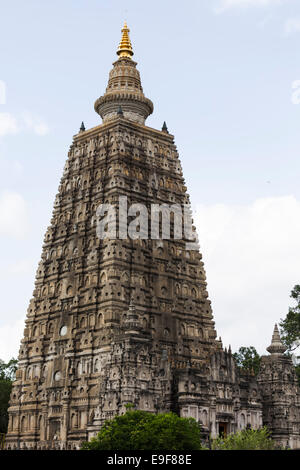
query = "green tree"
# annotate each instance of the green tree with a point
(141, 430)
(247, 439)
(290, 326)
(7, 375)
(8, 370)
(248, 359)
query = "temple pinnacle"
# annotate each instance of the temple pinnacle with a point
(276, 346)
(124, 88)
(125, 47)
(164, 127)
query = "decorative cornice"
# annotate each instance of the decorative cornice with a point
(126, 124)
(119, 96)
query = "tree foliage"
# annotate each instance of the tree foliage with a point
(290, 326)
(7, 375)
(8, 370)
(247, 439)
(248, 359)
(141, 430)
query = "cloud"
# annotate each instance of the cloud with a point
(10, 339)
(13, 215)
(292, 26)
(2, 92)
(8, 124)
(252, 258)
(262, 24)
(35, 124)
(17, 167)
(227, 4)
(23, 266)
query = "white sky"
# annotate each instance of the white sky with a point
(221, 73)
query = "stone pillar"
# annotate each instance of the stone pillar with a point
(212, 418)
(65, 423)
(43, 431)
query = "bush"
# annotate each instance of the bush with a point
(141, 430)
(248, 439)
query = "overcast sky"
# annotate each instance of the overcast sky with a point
(224, 75)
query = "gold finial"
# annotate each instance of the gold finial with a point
(125, 47)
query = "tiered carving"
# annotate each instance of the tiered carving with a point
(281, 394)
(124, 320)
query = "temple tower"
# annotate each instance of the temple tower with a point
(120, 312)
(110, 318)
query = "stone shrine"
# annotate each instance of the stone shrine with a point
(123, 319)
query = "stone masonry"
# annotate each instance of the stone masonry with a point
(122, 320)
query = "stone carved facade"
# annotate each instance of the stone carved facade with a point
(123, 320)
(280, 394)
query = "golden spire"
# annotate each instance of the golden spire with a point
(125, 47)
